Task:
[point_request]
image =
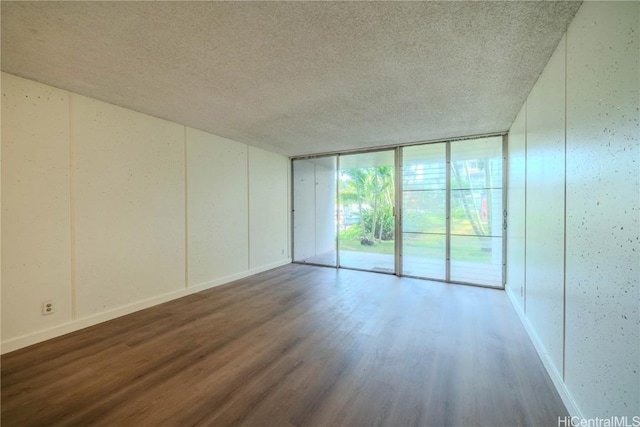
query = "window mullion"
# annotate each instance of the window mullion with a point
(448, 213)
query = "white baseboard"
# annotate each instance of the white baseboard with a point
(77, 324)
(553, 372)
(271, 266)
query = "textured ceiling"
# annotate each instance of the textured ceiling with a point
(295, 77)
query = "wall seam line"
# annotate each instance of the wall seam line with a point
(526, 135)
(186, 211)
(505, 206)
(72, 206)
(248, 211)
(315, 209)
(564, 255)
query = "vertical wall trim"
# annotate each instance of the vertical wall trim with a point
(72, 204)
(0, 217)
(248, 210)
(289, 208)
(505, 206)
(564, 242)
(524, 279)
(186, 211)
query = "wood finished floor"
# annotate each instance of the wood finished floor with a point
(295, 346)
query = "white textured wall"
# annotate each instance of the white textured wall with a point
(217, 209)
(603, 191)
(36, 233)
(587, 287)
(268, 213)
(129, 206)
(113, 232)
(516, 164)
(545, 206)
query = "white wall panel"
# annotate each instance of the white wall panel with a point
(268, 213)
(217, 208)
(603, 265)
(36, 233)
(516, 208)
(94, 209)
(545, 206)
(130, 206)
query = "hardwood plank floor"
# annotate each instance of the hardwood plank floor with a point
(294, 346)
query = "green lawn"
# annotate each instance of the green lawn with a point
(428, 246)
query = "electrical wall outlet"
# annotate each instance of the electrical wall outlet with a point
(48, 307)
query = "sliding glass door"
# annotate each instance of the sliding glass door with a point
(366, 211)
(424, 211)
(476, 211)
(451, 218)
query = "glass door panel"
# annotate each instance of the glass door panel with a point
(366, 211)
(314, 210)
(476, 211)
(451, 195)
(424, 211)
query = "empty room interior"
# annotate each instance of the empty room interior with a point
(320, 213)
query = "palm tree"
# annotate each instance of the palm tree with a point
(384, 176)
(469, 206)
(352, 191)
(372, 189)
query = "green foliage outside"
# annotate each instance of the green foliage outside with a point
(369, 193)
